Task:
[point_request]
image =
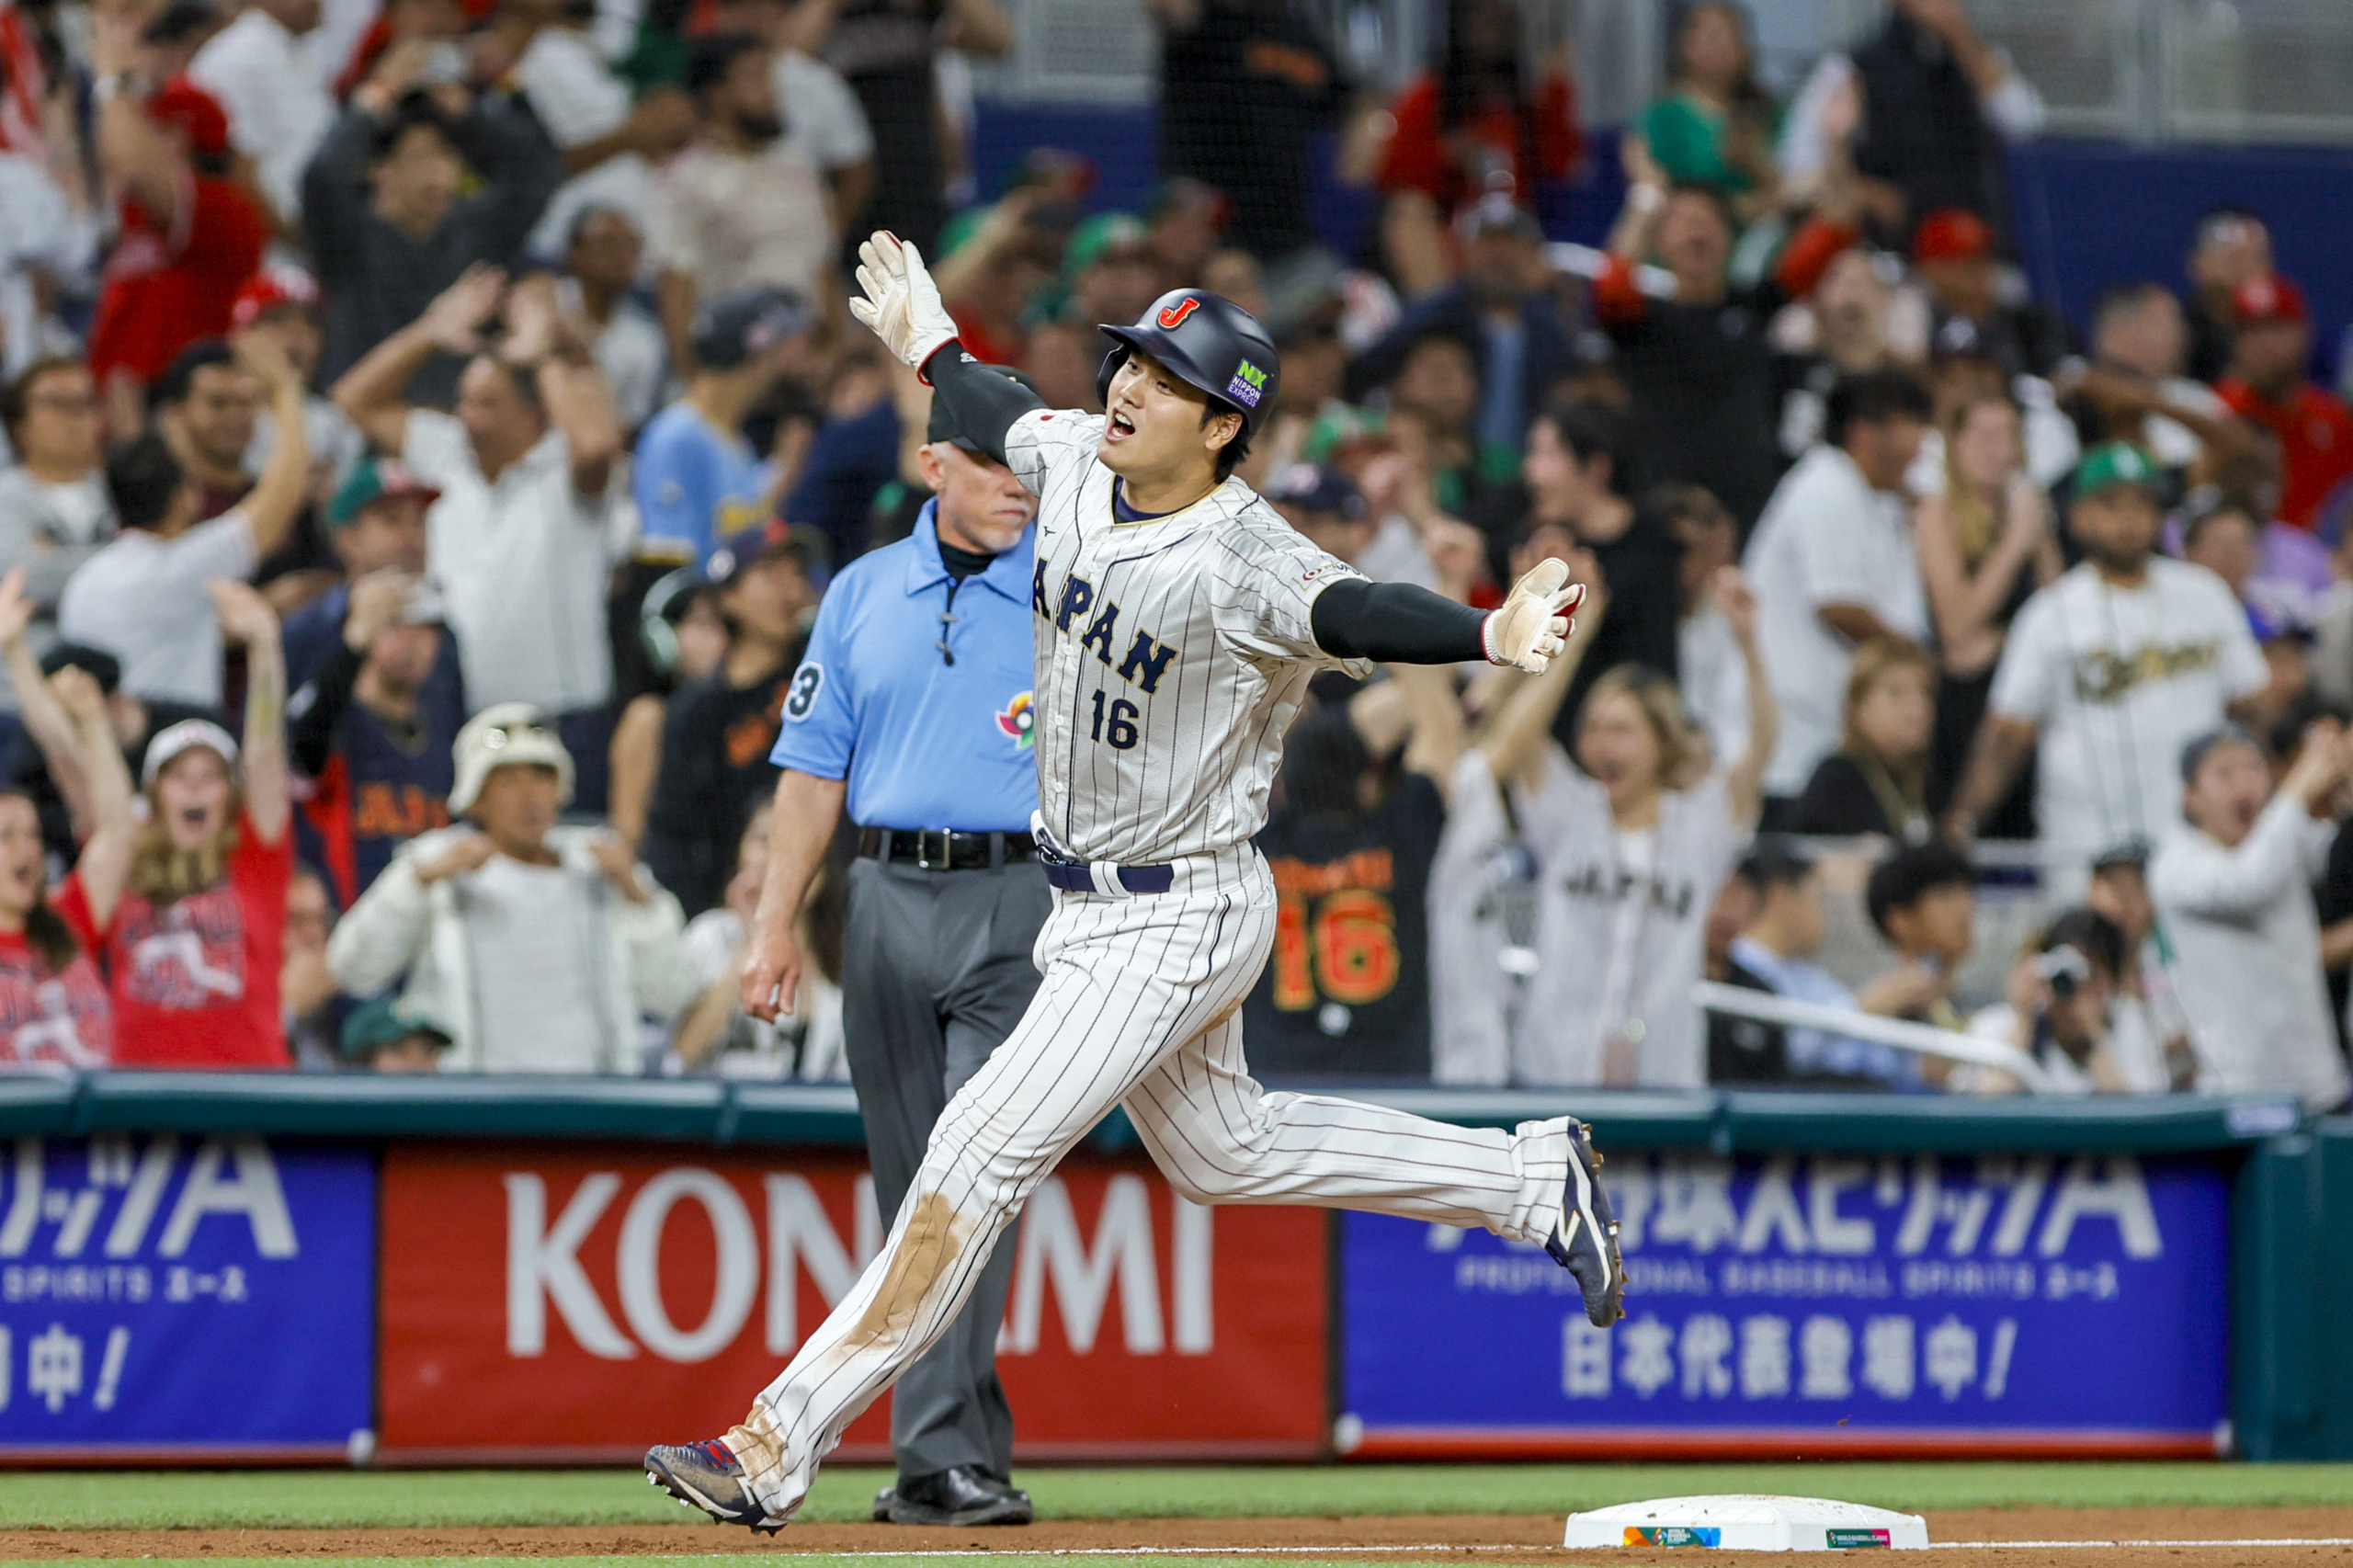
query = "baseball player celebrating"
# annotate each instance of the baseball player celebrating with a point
(1177, 621)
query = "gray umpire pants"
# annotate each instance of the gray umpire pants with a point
(935, 971)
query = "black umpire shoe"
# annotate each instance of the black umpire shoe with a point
(1585, 1235)
(964, 1496)
(883, 1500)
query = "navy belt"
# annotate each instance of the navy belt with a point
(1078, 876)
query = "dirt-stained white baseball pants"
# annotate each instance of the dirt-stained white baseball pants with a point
(1139, 1005)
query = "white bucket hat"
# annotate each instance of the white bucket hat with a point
(506, 734)
(186, 736)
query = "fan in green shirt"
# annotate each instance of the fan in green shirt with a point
(1716, 126)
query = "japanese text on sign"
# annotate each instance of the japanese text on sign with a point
(1793, 1293)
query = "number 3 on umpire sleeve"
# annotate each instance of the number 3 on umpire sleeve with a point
(1122, 726)
(807, 681)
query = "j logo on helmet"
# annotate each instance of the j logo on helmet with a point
(1173, 316)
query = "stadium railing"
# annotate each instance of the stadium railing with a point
(727, 1114)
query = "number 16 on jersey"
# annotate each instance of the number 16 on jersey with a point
(1115, 720)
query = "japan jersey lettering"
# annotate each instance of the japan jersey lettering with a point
(1172, 654)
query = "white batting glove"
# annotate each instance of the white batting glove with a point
(902, 303)
(1529, 628)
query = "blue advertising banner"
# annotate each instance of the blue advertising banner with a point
(1807, 1304)
(159, 1292)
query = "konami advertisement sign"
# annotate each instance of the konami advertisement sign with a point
(583, 1302)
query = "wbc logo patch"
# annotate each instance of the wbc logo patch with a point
(1020, 722)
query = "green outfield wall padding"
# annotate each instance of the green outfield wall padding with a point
(2291, 1265)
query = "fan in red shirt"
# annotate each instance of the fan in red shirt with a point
(54, 1012)
(189, 236)
(55, 1015)
(2267, 384)
(1477, 123)
(191, 927)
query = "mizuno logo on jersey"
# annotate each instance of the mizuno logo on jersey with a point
(1147, 658)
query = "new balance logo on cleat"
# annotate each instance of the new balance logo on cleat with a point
(1585, 1238)
(705, 1476)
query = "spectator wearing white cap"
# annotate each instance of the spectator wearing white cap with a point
(191, 925)
(535, 947)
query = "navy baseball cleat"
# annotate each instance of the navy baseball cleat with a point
(706, 1476)
(1585, 1238)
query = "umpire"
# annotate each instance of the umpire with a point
(913, 701)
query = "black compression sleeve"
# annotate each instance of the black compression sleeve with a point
(983, 402)
(1395, 623)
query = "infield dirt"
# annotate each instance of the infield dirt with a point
(2015, 1538)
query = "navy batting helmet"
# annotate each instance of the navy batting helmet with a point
(1209, 343)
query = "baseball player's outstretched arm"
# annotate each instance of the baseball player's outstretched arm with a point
(1398, 623)
(985, 405)
(1523, 723)
(899, 301)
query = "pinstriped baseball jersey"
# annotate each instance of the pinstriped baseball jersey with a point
(1171, 653)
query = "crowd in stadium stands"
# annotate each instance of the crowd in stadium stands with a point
(432, 424)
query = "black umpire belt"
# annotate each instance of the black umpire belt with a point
(939, 851)
(1078, 876)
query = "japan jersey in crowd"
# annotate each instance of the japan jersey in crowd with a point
(881, 707)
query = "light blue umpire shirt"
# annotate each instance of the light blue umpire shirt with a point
(917, 688)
